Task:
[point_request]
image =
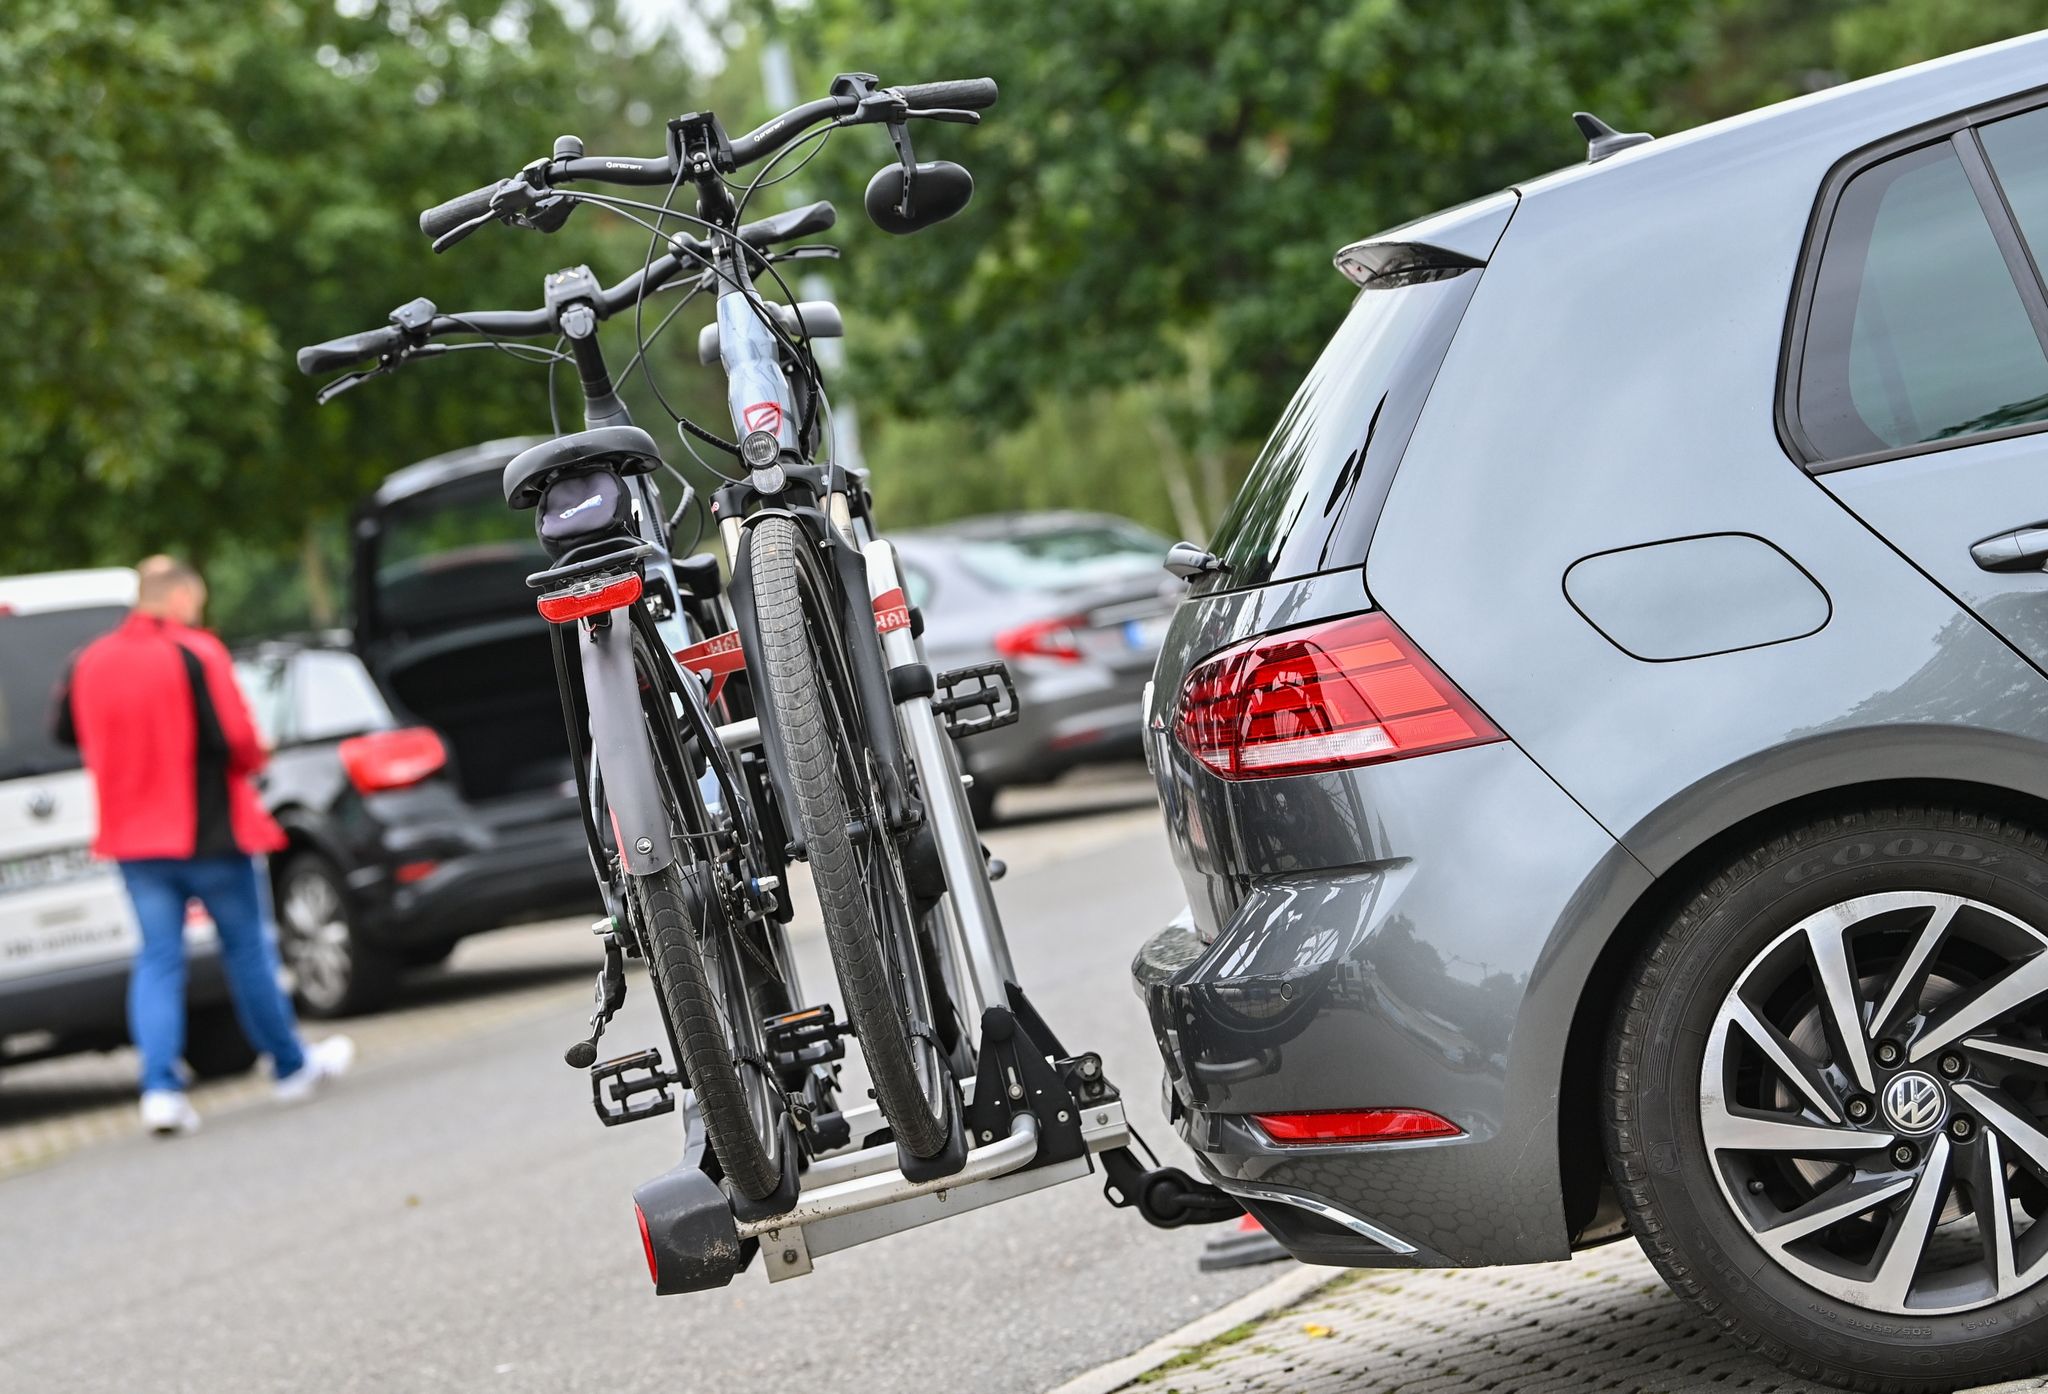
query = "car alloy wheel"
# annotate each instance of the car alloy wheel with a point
(1826, 1098)
(333, 972)
(1866, 1096)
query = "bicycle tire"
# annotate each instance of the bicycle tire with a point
(696, 991)
(800, 684)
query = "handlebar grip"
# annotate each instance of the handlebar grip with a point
(446, 217)
(967, 93)
(349, 350)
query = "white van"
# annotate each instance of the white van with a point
(67, 935)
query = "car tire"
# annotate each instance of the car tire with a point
(1732, 1045)
(427, 955)
(334, 972)
(215, 1047)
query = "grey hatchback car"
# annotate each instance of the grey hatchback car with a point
(1607, 753)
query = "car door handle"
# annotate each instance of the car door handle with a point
(2023, 549)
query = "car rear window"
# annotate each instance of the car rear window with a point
(1313, 495)
(1917, 331)
(451, 554)
(1063, 558)
(35, 655)
(333, 696)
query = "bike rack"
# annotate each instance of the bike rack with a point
(1034, 1116)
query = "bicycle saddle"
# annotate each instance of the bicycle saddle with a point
(623, 449)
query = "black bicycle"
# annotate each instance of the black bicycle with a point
(690, 838)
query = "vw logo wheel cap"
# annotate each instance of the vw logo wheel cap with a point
(1914, 1103)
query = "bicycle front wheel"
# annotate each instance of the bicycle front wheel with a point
(869, 919)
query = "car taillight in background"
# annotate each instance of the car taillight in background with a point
(1058, 639)
(391, 759)
(1328, 696)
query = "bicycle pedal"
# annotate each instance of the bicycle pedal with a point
(959, 690)
(812, 1036)
(621, 1102)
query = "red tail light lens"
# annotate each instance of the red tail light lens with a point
(1356, 1125)
(1058, 639)
(1327, 697)
(585, 601)
(392, 759)
(647, 1245)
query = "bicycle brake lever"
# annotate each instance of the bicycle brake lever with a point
(946, 113)
(456, 234)
(817, 251)
(330, 391)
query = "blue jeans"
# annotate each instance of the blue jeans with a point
(232, 890)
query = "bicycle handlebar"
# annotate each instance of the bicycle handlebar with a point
(691, 252)
(463, 208)
(965, 93)
(970, 94)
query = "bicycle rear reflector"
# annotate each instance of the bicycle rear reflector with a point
(647, 1245)
(591, 598)
(1355, 1125)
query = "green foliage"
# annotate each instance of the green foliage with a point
(197, 187)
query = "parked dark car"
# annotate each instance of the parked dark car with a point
(1611, 776)
(1074, 603)
(422, 768)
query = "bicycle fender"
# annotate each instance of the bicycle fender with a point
(625, 756)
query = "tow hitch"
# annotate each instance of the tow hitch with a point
(1035, 1116)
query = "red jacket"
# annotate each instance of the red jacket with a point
(132, 706)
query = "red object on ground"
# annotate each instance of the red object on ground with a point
(132, 706)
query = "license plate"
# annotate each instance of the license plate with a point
(46, 869)
(1146, 635)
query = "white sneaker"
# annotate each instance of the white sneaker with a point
(325, 1060)
(167, 1113)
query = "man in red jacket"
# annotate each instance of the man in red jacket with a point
(166, 735)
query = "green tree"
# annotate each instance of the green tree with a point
(1163, 183)
(199, 188)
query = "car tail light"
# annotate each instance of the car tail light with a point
(647, 1245)
(410, 872)
(1329, 696)
(1355, 1125)
(581, 602)
(391, 759)
(1058, 639)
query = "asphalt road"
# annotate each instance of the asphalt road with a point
(453, 1217)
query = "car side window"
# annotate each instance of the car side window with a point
(917, 587)
(266, 684)
(335, 697)
(2017, 148)
(1917, 331)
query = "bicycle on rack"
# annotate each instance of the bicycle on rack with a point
(832, 739)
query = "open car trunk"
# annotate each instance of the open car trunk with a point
(447, 623)
(489, 689)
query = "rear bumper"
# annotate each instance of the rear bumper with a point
(1409, 935)
(531, 873)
